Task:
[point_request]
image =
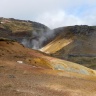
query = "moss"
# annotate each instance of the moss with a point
(17, 26)
(7, 39)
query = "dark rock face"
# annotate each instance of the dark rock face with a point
(83, 29)
(77, 29)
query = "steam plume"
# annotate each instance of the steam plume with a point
(38, 39)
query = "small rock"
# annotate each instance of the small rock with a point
(20, 62)
(11, 76)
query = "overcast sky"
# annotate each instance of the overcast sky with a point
(53, 13)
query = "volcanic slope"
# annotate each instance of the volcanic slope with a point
(76, 44)
(24, 31)
(29, 72)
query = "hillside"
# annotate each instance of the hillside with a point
(17, 26)
(74, 43)
(24, 31)
(12, 50)
(25, 71)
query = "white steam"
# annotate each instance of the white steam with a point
(38, 39)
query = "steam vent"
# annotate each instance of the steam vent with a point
(39, 61)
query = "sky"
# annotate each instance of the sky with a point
(52, 13)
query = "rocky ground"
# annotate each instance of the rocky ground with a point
(25, 80)
(19, 77)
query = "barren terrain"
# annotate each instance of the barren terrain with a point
(56, 69)
(26, 72)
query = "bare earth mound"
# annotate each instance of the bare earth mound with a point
(26, 72)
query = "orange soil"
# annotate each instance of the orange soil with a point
(32, 80)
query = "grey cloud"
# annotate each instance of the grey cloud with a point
(59, 19)
(56, 11)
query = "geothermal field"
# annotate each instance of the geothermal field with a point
(38, 61)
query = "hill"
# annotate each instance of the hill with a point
(24, 31)
(12, 50)
(74, 43)
(25, 71)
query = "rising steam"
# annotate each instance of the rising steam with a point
(38, 39)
